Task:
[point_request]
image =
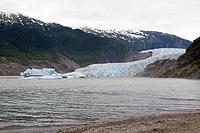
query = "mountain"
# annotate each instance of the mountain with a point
(142, 40)
(187, 65)
(25, 40)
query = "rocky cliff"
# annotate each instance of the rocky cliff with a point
(187, 65)
(13, 68)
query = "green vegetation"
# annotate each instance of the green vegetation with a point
(169, 72)
(25, 42)
(192, 71)
(197, 62)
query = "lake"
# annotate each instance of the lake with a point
(48, 103)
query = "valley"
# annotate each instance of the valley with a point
(30, 43)
(91, 66)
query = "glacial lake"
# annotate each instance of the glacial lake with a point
(43, 103)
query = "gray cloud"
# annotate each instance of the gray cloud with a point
(180, 17)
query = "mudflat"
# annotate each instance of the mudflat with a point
(165, 123)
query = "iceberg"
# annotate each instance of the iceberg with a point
(45, 73)
(128, 69)
(74, 75)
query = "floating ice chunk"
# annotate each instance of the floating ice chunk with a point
(74, 75)
(45, 73)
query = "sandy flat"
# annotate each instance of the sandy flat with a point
(166, 123)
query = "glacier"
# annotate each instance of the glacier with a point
(128, 69)
(75, 75)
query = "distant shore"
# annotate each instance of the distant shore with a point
(165, 123)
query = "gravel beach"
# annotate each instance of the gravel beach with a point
(165, 123)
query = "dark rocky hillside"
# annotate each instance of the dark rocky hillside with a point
(61, 64)
(187, 65)
(192, 55)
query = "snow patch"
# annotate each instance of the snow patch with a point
(123, 34)
(74, 75)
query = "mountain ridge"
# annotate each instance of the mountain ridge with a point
(140, 39)
(32, 37)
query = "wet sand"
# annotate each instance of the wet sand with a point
(35, 129)
(165, 123)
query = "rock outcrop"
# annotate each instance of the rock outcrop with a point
(13, 68)
(187, 65)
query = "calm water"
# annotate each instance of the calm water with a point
(78, 101)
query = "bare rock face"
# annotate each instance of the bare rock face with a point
(157, 68)
(192, 54)
(8, 68)
(65, 64)
(13, 68)
(188, 65)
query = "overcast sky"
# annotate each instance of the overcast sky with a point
(179, 17)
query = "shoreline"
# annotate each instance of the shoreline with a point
(136, 77)
(182, 122)
(35, 129)
(179, 122)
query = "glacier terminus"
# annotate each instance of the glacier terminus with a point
(127, 69)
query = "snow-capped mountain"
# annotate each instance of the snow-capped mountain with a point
(10, 18)
(128, 35)
(25, 39)
(129, 69)
(140, 39)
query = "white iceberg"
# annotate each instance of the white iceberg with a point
(45, 73)
(129, 69)
(74, 75)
